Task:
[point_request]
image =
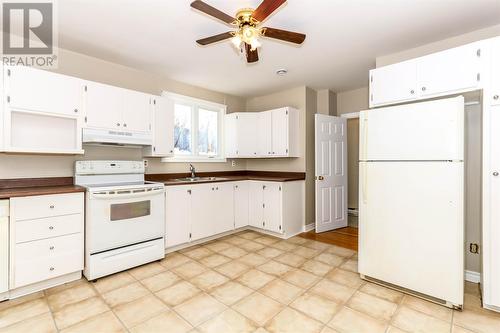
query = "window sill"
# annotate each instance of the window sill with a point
(190, 159)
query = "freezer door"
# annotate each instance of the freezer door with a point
(411, 226)
(420, 132)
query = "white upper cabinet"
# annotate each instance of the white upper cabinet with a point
(162, 115)
(230, 135)
(43, 112)
(449, 71)
(439, 74)
(38, 90)
(137, 111)
(394, 83)
(116, 108)
(240, 134)
(273, 133)
(495, 72)
(104, 105)
(264, 136)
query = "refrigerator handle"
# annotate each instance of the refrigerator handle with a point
(364, 182)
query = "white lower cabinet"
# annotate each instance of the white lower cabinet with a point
(198, 211)
(177, 215)
(241, 208)
(46, 238)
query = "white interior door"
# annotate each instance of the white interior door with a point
(331, 172)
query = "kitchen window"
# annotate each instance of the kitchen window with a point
(198, 130)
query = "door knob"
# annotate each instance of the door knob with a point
(495, 174)
(321, 178)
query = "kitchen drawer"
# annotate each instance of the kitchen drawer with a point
(46, 259)
(31, 230)
(35, 207)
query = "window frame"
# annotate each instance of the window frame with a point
(196, 104)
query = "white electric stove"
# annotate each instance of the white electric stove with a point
(124, 216)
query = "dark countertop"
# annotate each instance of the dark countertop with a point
(23, 187)
(230, 176)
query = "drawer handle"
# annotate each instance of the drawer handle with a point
(51, 206)
(51, 248)
(51, 228)
(495, 97)
(51, 269)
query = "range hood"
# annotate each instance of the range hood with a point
(116, 138)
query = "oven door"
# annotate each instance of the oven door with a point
(124, 217)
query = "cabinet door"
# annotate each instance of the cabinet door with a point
(495, 72)
(393, 84)
(104, 105)
(223, 207)
(246, 131)
(255, 204)
(230, 135)
(264, 137)
(178, 215)
(272, 207)
(163, 115)
(279, 132)
(492, 235)
(136, 111)
(241, 192)
(203, 211)
(452, 70)
(38, 90)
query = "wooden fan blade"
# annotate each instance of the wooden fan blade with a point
(252, 56)
(266, 8)
(214, 39)
(214, 12)
(287, 36)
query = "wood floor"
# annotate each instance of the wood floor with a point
(344, 237)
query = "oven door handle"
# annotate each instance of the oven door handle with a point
(125, 194)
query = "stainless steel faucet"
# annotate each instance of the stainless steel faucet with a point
(192, 170)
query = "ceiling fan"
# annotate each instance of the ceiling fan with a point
(247, 22)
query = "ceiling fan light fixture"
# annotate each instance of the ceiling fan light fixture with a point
(236, 40)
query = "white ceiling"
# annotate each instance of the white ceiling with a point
(343, 38)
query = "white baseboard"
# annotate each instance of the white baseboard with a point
(309, 227)
(471, 276)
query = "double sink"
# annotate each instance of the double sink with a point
(199, 179)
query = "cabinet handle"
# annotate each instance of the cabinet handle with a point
(76, 110)
(51, 228)
(51, 269)
(495, 97)
(424, 88)
(51, 206)
(118, 124)
(51, 248)
(495, 174)
(216, 188)
(412, 91)
(171, 152)
(124, 125)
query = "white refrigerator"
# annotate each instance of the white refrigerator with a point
(411, 198)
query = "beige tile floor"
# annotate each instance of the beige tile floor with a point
(246, 282)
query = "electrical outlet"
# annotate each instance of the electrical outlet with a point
(474, 248)
(145, 163)
(233, 163)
